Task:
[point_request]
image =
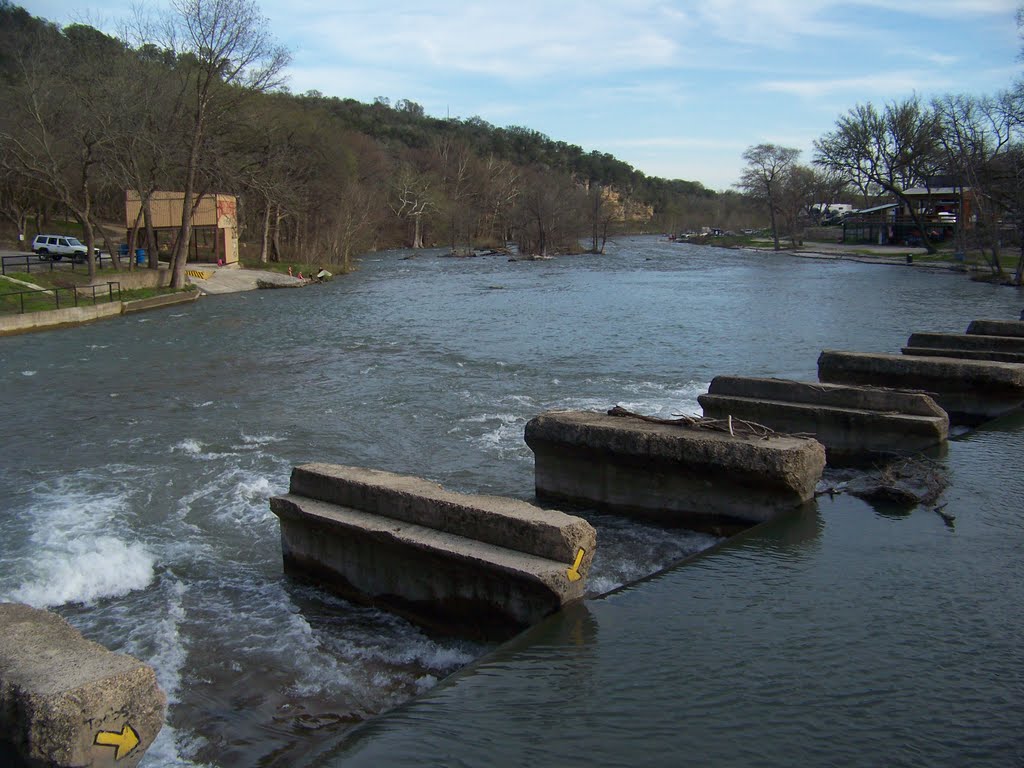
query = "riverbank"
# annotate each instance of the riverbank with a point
(213, 279)
(890, 255)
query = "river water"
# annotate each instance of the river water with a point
(142, 451)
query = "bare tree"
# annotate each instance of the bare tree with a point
(896, 149)
(412, 199)
(600, 214)
(766, 166)
(223, 51)
(976, 134)
(548, 214)
(52, 136)
(501, 182)
(456, 166)
(794, 198)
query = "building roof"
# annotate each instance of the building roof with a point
(877, 208)
(928, 191)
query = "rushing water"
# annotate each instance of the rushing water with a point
(141, 453)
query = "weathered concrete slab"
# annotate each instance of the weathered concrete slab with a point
(970, 346)
(158, 302)
(477, 565)
(67, 701)
(672, 474)
(965, 354)
(854, 423)
(504, 522)
(970, 391)
(55, 318)
(997, 327)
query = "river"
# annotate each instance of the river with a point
(142, 451)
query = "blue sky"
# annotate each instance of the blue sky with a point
(676, 88)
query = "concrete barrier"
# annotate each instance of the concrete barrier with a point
(157, 302)
(55, 318)
(67, 701)
(970, 346)
(483, 566)
(143, 277)
(854, 423)
(997, 327)
(671, 474)
(970, 391)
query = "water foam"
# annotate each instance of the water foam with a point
(86, 571)
(76, 556)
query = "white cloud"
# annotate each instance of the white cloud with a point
(865, 87)
(527, 41)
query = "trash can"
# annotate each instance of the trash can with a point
(122, 250)
(140, 255)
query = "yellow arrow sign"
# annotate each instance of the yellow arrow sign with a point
(125, 741)
(574, 572)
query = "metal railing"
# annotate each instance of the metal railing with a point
(30, 262)
(87, 293)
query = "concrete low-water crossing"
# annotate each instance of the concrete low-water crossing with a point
(139, 510)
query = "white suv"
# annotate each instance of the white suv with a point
(55, 247)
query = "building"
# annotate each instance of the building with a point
(941, 205)
(214, 224)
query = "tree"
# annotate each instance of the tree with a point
(896, 149)
(548, 213)
(599, 215)
(52, 136)
(794, 198)
(976, 134)
(223, 52)
(766, 166)
(412, 200)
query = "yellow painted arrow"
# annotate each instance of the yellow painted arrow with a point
(574, 572)
(125, 741)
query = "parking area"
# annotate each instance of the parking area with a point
(27, 262)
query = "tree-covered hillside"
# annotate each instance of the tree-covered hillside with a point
(197, 103)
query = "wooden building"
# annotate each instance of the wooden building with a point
(214, 224)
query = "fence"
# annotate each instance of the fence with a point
(27, 263)
(42, 299)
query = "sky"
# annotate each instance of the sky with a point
(676, 88)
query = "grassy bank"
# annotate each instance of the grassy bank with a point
(55, 290)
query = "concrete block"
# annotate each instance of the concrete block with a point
(970, 346)
(474, 565)
(67, 701)
(504, 522)
(997, 327)
(854, 423)
(965, 354)
(970, 391)
(671, 474)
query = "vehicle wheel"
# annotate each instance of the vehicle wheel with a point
(43, 254)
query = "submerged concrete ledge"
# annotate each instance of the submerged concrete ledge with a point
(854, 423)
(669, 473)
(970, 391)
(67, 701)
(483, 566)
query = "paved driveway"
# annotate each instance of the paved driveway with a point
(213, 279)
